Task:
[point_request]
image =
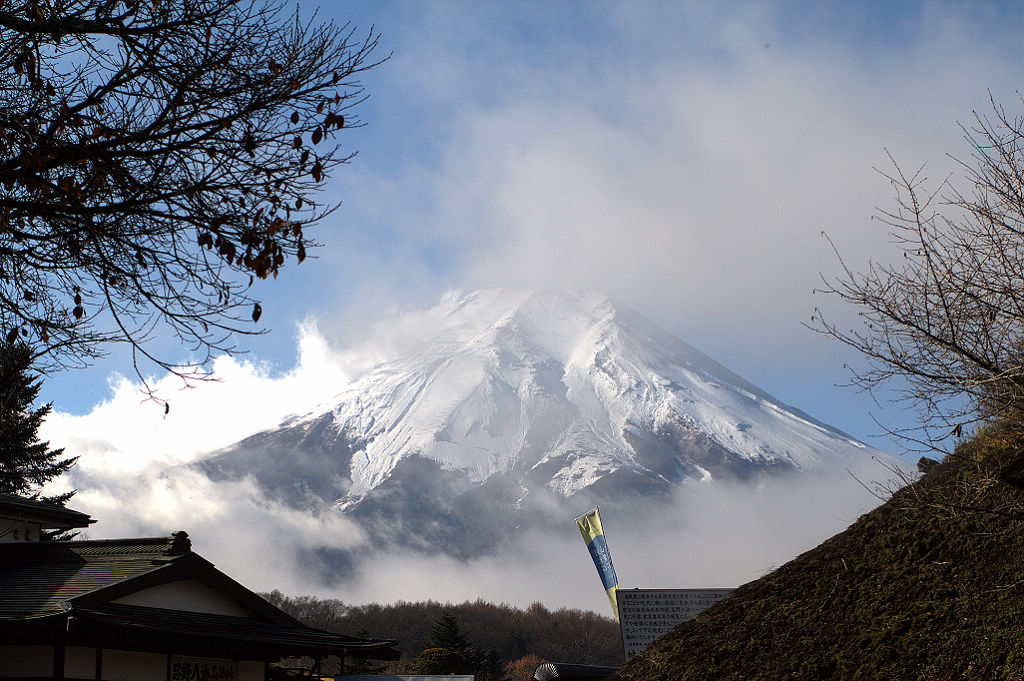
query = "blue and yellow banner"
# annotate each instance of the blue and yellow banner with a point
(590, 527)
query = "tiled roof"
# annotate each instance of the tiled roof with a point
(37, 578)
(155, 548)
(68, 586)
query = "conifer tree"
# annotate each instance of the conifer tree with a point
(447, 633)
(26, 464)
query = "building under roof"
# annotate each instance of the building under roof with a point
(146, 609)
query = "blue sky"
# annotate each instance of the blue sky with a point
(683, 158)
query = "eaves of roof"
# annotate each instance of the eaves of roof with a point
(50, 515)
(189, 633)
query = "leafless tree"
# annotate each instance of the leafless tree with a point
(947, 320)
(157, 157)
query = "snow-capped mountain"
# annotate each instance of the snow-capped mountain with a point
(497, 404)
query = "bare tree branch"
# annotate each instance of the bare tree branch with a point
(949, 318)
(156, 158)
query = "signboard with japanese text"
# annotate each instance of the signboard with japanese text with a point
(201, 669)
(646, 614)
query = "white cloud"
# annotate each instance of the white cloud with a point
(711, 536)
(702, 194)
(131, 478)
(247, 534)
(125, 432)
(672, 161)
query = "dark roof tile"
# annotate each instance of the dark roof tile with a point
(38, 577)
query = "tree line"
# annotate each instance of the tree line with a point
(496, 635)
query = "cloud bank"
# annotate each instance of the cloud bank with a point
(687, 166)
(126, 432)
(131, 478)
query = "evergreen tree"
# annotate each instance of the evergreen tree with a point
(447, 633)
(26, 464)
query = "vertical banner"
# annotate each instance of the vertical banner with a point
(590, 527)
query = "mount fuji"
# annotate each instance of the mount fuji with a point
(501, 409)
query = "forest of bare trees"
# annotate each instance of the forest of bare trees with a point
(563, 635)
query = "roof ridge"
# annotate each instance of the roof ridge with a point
(129, 548)
(166, 539)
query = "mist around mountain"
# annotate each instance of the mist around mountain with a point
(429, 531)
(500, 410)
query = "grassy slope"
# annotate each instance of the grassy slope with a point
(912, 590)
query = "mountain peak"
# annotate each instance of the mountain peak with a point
(534, 394)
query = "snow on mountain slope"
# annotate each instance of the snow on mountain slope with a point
(505, 409)
(560, 390)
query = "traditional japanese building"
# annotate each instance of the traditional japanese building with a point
(144, 609)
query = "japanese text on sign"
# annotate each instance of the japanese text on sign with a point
(646, 614)
(202, 669)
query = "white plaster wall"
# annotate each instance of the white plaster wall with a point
(26, 661)
(250, 671)
(118, 665)
(122, 665)
(18, 531)
(187, 594)
(80, 662)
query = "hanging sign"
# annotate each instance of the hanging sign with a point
(181, 668)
